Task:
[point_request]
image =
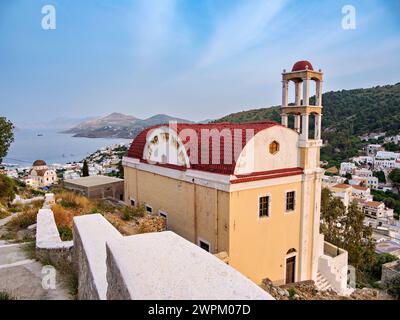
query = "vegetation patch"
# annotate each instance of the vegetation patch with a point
(5, 296)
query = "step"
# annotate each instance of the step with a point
(322, 283)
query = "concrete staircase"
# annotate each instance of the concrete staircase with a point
(322, 283)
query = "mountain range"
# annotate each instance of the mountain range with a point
(118, 125)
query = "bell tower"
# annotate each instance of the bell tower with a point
(303, 75)
(303, 112)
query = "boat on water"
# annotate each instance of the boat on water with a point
(40, 134)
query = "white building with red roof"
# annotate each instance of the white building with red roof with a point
(41, 175)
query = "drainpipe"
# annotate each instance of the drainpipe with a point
(194, 212)
(216, 221)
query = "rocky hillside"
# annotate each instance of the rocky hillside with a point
(118, 125)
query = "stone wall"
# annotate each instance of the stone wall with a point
(389, 271)
(87, 289)
(117, 289)
(49, 246)
(90, 235)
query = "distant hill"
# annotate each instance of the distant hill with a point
(117, 125)
(347, 114)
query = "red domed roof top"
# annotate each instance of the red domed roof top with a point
(302, 65)
(39, 163)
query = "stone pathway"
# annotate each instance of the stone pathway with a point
(21, 277)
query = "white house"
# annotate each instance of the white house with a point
(347, 167)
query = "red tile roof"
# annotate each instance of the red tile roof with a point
(360, 188)
(268, 175)
(342, 186)
(374, 204)
(138, 144)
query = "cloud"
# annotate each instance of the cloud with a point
(241, 29)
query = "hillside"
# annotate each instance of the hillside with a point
(347, 114)
(117, 125)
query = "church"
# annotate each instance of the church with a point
(41, 176)
(250, 191)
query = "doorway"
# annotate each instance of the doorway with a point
(290, 269)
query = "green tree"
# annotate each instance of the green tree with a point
(120, 170)
(6, 136)
(345, 229)
(394, 176)
(85, 169)
(332, 212)
(381, 176)
(375, 269)
(357, 238)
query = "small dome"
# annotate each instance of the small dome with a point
(39, 163)
(302, 65)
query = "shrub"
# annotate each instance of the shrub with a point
(394, 287)
(102, 207)
(65, 233)
(7, 188)
(129, 213)
(71, 200)
(375, 269)
(4, 214)
(5, 296)
(62, 216)
(24, 219)
(292, 293)
(37, 193)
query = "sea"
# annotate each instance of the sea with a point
(53, 147)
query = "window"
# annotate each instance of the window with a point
(204, 245)
(273, 147)
(149, 209)
(263, 208)
(290, 200)
(165, 216)
(133, 202)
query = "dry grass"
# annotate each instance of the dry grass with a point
(24, 219)
(71, 200)
(127, 220)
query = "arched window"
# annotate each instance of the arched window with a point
(291, 251)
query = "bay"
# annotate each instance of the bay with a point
(53, 147)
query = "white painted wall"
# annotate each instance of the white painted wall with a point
(256, 157)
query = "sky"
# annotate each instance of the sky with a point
(193, 59)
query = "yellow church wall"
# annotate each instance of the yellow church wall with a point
(194, 212)
(258, 246)
(229, 221)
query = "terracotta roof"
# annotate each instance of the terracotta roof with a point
(268, 175)
(138, 144)
(374, 204)
(40, 173)
(39, 163)
(302, 65)
(360, 188)
(342, 186)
